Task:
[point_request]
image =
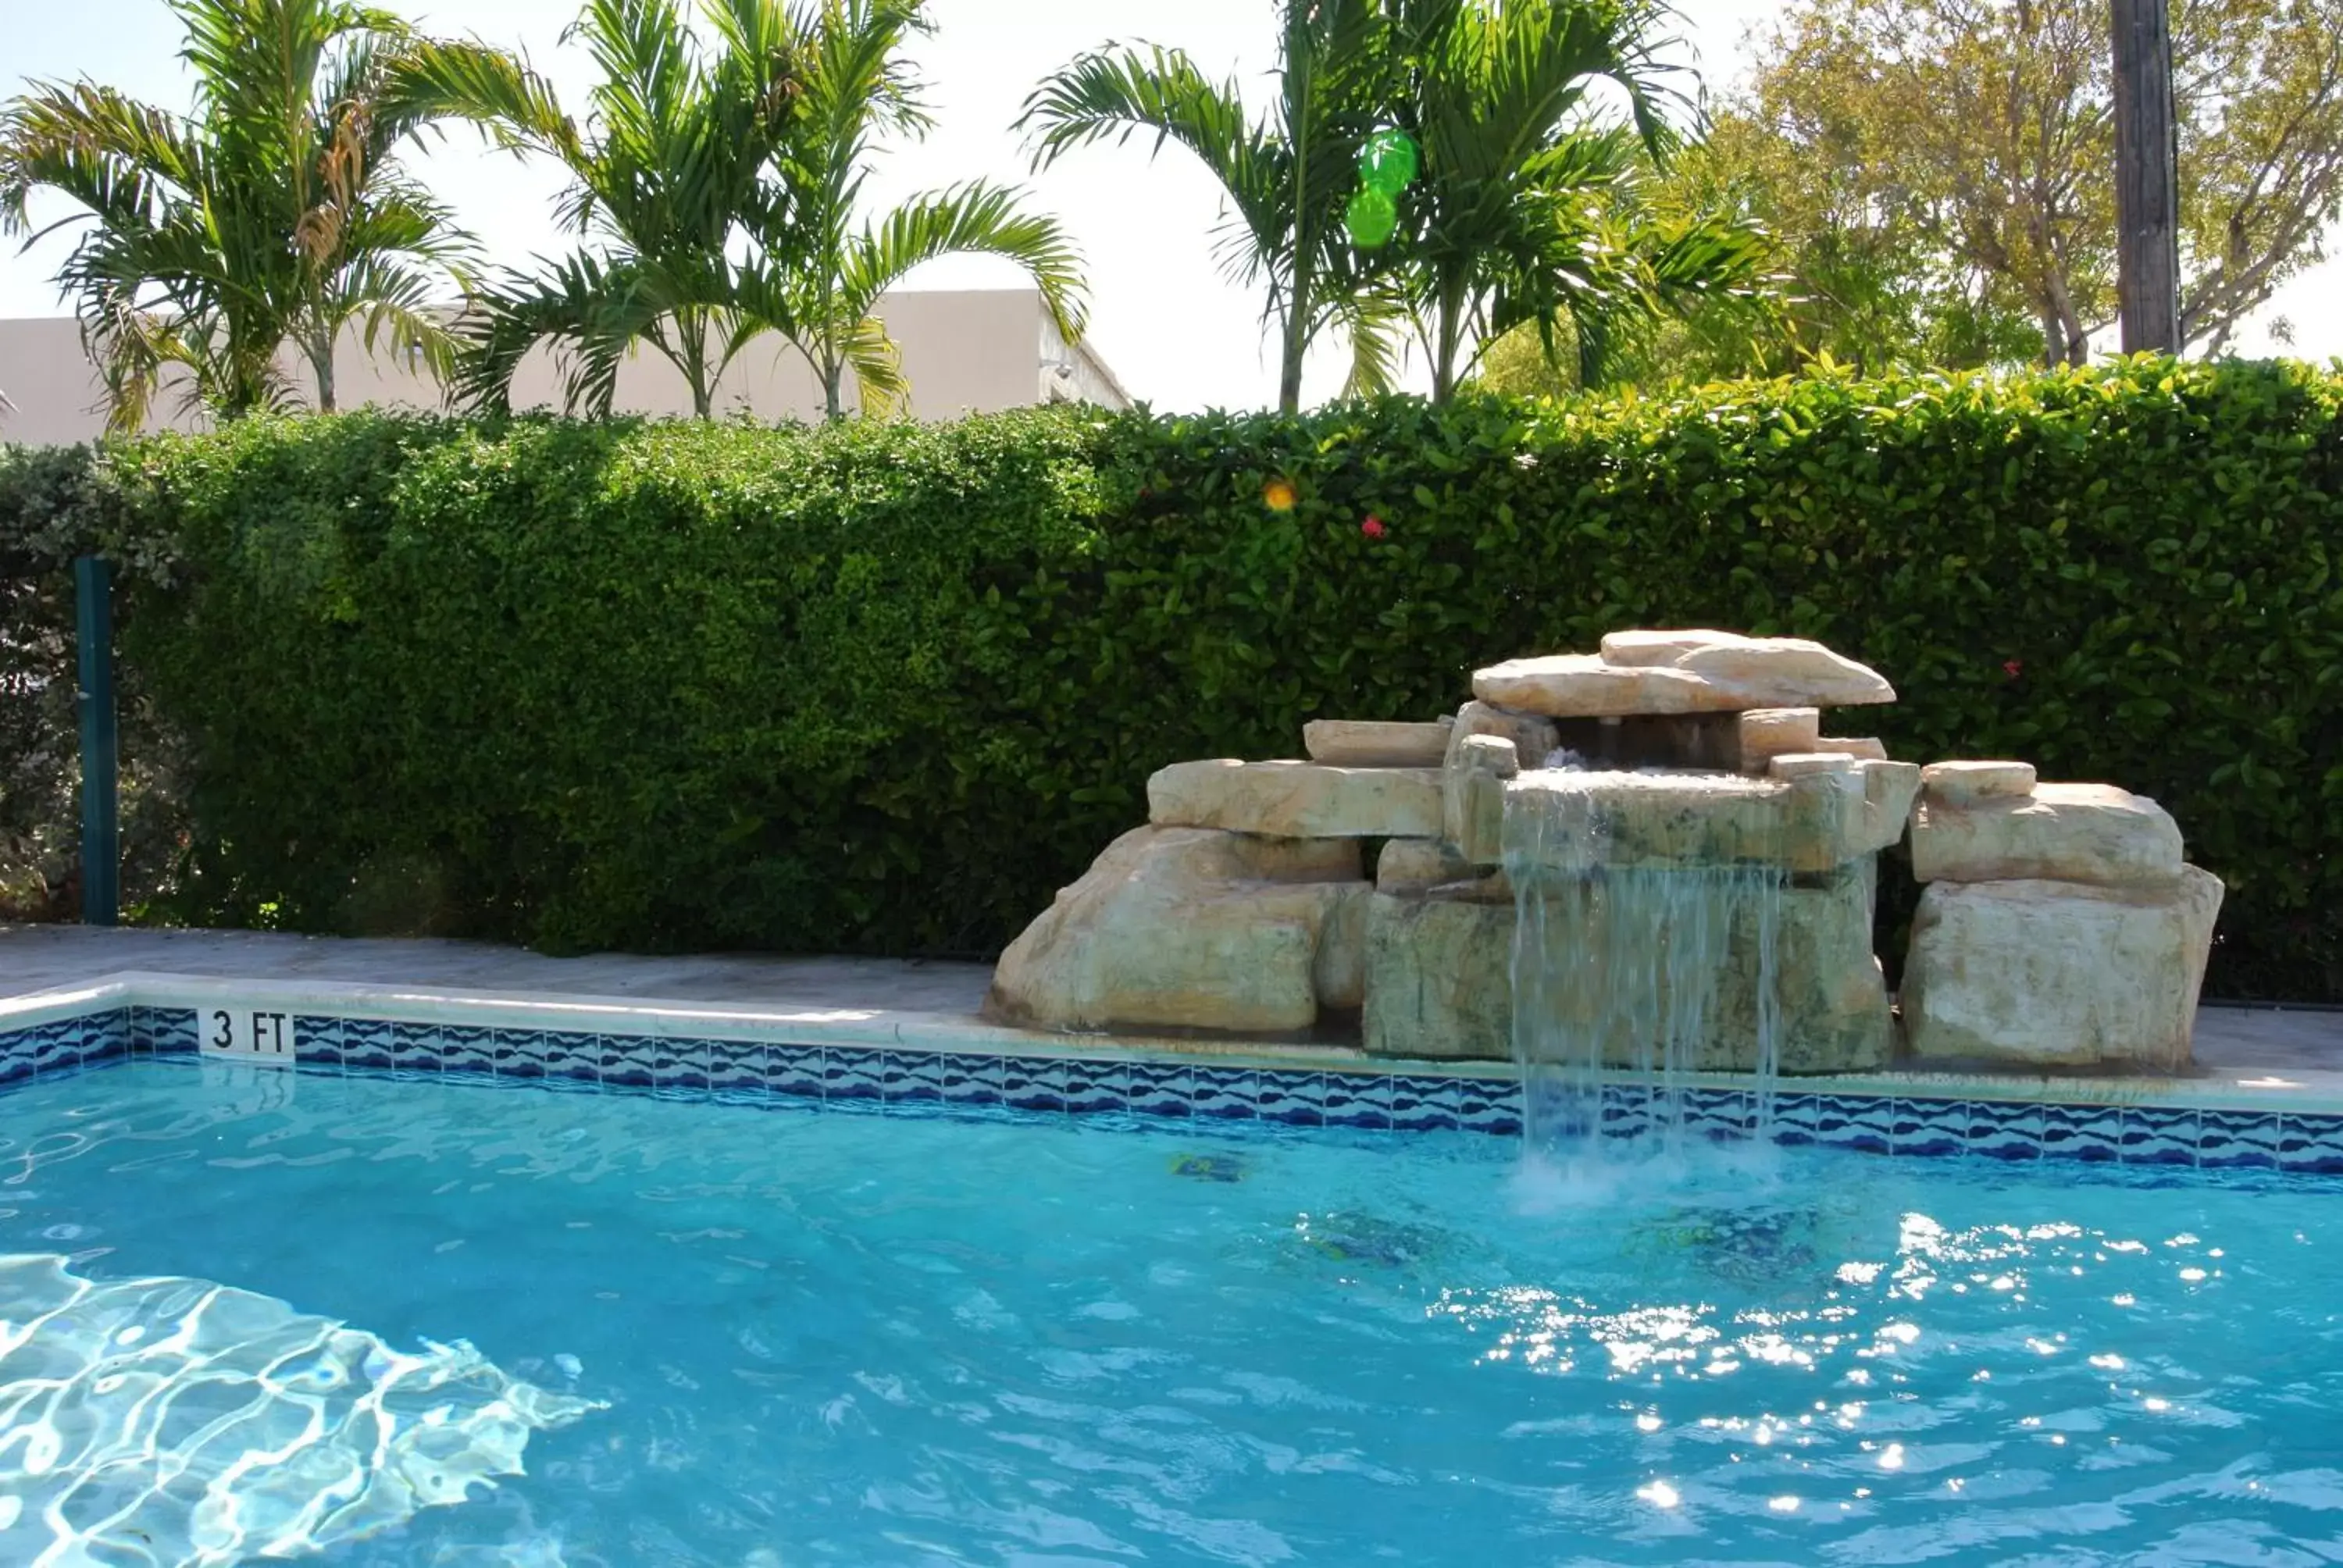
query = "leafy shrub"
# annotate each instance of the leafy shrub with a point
(883, 687)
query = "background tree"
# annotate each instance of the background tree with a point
(824, 272)
(1530, 211)
(674, 172)
(1848, 280)
(275, 214)
(1949, 162)
(1287, 176)
(715, 186)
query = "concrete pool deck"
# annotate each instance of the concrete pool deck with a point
(2267, 1052)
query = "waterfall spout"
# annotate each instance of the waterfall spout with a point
(1648, 908)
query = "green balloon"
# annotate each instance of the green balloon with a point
(1387, 162)
(1372, 218)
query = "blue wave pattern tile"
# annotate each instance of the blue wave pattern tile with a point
(1796, 1117)
(518, 1054)
(1849, 1122)
(1623, 1112)
(104, 1035)
(1224, 1095)
(418, 1047)
(50, 1047)
(736, 1069)
(1165, 1089)
(1033, 1083)
(1930, 1126)
(970, 1077)
(572, 1058)
(2237, 1140)
(1096, 1084)
(17, 1047)
(169, 1031)
(464, 1048)
(1719, 1115)
(851, 1077)
(910, 1078)
(2158, 1135)
(1417, 1105)
(366, 1044)
(680, 1068)
(2090, 1133)
(316, 1043)
(2310, 1145)
(929, 1082)
(1355, 1100)
(665, 1064)
(626, 1060)
(1293, 1099)
(1487, 1105)
(794, 1071)
(2004, 1129)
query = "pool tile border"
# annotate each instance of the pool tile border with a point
(107, 1025)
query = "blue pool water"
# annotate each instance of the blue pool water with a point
(756, 1337)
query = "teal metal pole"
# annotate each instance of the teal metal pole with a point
(101, 835)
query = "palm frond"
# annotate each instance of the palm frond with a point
(184, 262)
(1122, 91)
(1376, 324)
(498, 92)
(106, 152)
(880, 388)
(975, 218)
(572, 306)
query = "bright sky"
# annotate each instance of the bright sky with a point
(1178, 335)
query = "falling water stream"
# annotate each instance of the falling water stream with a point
(1661, 968)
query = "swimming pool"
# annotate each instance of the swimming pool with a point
(757, 1335)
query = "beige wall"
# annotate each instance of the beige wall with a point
(964, 351)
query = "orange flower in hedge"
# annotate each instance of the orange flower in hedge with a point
(1279, 495)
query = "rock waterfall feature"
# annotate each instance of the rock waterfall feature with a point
(1650, 858)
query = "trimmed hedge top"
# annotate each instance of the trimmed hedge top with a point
(885, 687)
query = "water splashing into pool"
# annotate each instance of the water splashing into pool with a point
(1637, 946)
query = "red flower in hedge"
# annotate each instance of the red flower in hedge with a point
(1372, 528)
(2013, 668)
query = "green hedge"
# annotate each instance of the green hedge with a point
(883, 687)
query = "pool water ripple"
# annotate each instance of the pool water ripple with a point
(823, 1338)
(186, 1424)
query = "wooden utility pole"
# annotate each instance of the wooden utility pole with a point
(2147, 179)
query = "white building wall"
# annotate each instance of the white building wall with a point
(964, 351)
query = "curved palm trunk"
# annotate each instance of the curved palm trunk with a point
(321, 364)
(692, 338)
(1448, 342)
(1297, 339)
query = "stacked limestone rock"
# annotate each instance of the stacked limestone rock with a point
(2060, 926)
(1690, 750)
(1243, 907)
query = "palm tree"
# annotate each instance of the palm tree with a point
(717, 188)
(1528, 210)
(677, 157)
(275, 214)
(827, 274)
(1288, 178)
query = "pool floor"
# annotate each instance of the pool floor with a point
(766, 1336)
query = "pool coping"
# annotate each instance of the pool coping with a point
(881, 1057)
